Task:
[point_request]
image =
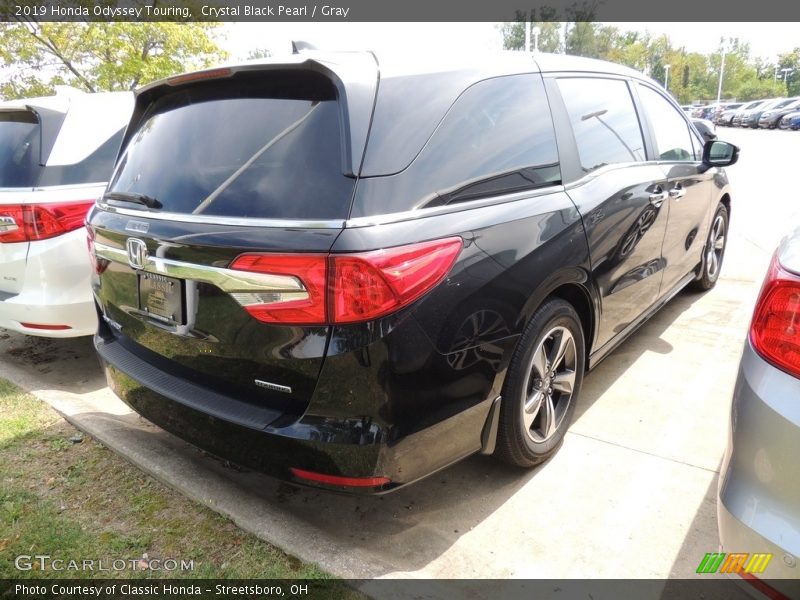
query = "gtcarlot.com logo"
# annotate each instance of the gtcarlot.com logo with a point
(45, 562)
(735, 562)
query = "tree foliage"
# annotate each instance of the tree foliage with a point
(99, 56)
(692, 76)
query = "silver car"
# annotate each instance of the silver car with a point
(758, 508)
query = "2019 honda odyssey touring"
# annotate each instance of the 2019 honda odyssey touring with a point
(56, 156)
(351, 272)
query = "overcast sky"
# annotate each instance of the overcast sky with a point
(766, 39)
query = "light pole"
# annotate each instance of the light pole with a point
(536, 32)
(527, 36)
(721, 72)
(666, 77)
(785, 77)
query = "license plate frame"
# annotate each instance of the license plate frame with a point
(162, 298)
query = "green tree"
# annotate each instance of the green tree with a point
(99, 56)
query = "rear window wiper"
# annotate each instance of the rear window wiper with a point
(144, 199)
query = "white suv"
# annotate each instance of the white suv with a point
(56, 155)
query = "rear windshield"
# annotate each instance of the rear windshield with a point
(19, 149)
(260, 147)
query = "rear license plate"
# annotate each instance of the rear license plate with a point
(161, 297)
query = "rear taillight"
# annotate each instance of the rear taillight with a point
(373, 284)
(99, 264)
(298, 293)
(345, 288)
(775, 329)
(33, 222)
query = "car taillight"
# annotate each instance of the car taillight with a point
(42, 221)
(775, 329)
(297, 293)
(99, 264)
(373, 284)
(345, 288)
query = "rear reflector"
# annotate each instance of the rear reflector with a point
(775, 329)
(345, 288)
(764, 588)
(46, 327)
(341, 481)
(42, 221)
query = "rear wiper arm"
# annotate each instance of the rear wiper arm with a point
(144, 199)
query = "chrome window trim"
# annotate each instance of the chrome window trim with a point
(235, 221)
(366, 221)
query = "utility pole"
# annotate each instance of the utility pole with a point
(666, 77)
(721, 72)
(536, 31)
(527, 36)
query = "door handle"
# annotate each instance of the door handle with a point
(658, 196)
(677, 192)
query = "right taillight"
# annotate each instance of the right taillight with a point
(775, 329)
(374, 284)
(311, 289)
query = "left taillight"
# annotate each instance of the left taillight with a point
(33, 222)
(318, 289)
(775, 328)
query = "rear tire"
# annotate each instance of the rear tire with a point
(542, 386)
(714, 251)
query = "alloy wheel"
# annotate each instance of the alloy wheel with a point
(716, 246)
(549, 384)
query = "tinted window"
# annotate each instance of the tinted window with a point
(669, 127)
(497, 138)
(19, 149)
(603, 120)
(267, 147)
(96, 168)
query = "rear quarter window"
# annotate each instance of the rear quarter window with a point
(497, 138)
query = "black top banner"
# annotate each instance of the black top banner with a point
(397, 10)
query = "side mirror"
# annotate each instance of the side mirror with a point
(720, 154)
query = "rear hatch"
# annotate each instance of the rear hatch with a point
(210, 242)
(19, 170)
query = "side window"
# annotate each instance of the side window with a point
(497, 138)
(604, 121)
(673, 142)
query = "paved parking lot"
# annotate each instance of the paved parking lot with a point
(630, 494)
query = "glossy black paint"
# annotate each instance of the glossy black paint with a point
(410, 393)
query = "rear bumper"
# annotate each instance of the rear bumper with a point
(56, 290)
(272, 442)
(759, 492)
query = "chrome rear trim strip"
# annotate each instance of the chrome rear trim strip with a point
(228, 280)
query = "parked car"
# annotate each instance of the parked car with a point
(720, 108)
(752, 117)
(725, 116)
(790, 121)
(56, 155)
(745, 110)
(770, 118)
(357, 285)
(758, 508)
(705, 128)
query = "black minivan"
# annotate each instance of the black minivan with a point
(351, 272)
